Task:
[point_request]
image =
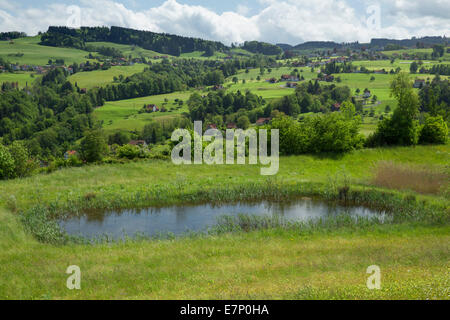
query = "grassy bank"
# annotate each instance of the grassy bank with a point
(261, 264)
(322, 262)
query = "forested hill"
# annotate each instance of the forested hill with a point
(159, 42)
(411, 43)
(262, 48)
(12, 35)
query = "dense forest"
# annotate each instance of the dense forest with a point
(12, 35)
(435, 98)
(262, 48)
(159, 42)
(167, 77)
(311, 97)
(221, 108)
(49, 116)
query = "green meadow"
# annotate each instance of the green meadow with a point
(428, 51)
(28, 51)
(128, 50)
(327, 262)
(124, 114)
(99, 78)
(200, 55)
(23, 78)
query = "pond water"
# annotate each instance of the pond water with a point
(187, 218)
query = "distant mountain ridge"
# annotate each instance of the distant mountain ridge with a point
(376, 42)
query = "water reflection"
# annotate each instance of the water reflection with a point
(181, 219)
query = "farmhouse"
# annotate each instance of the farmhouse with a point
(211, 126)
(291, 84)
(327, 78)
(152, 108)
(217, 87)
(69, 153)
(231, 125)
(288, 77)
(262, 121)
(367, 94)
(140, 143)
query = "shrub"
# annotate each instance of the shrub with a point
(23, 165)
(323, 133)
(394, 131)
(119, 138)
(93, 146)
(402, 128)
(128, 151)
(243, 122)
(6, 163)
(334, 133)
(435, 130)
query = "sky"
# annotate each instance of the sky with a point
(234, 21)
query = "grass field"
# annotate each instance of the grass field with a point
(23, 78)
(124, 114)
(200, 55)
(35, 54)
(404, 65)
(99, 78)
(273, 263)
(128, 50)
(428, 51)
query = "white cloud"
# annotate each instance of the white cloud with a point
(291, 21)
(242, 10)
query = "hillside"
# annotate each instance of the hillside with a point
(162, 43)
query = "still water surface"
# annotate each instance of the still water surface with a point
(181, 219)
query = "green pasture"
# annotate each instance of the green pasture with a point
(99, 78)
(23, 78)
(128, 50)
(35, 54)
(328, 263)
(124, 114)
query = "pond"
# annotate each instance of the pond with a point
(181, 219)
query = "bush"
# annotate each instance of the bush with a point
(324, 133)
(402, 128)
(6, 163)
(394, 131)
(119, 138)
(93, 146)
(435, 130)
(129, 152)
(23, 165)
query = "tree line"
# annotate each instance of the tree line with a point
(159, 42)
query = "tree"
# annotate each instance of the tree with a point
(243, 122)
(93, 146)
(435, 130)
(235, 80)
(402, 128)
(21, 157)
(6, 163)
(209, 52)
(413, 67)
(438, 51)
(348, 110)
(119, 138)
